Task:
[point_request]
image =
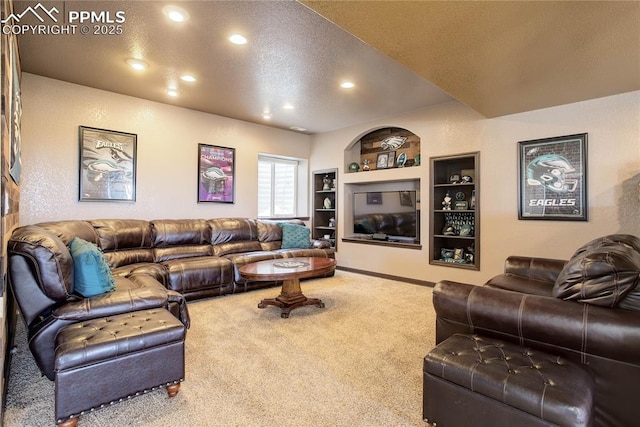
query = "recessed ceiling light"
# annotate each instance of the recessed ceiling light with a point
(187, 78)
(347, 85)
(298, 129)
(266, 116)
(287, 107)
(172, 92)
(237, 39)
(175, 13)
(137, 64)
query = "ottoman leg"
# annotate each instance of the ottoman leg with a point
(73, 422)
(173, 389)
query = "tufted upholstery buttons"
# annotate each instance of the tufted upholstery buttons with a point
(99, 339)
(125, 355)
(527, 379)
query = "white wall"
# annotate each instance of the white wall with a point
(167, 161)
(613, 127)
(167, 164)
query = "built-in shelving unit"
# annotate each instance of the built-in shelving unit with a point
(325, 191)
(454, 231)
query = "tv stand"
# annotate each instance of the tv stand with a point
(394, 241)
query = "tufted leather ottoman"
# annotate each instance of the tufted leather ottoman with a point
(473, 380)
(102, 361)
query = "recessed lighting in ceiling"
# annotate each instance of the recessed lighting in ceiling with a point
(172, 92)
(175, 13)
(266, 116)
(297, 129)
(347, 85)
(238, 39)
(288, 106)
(187, 78)
(137, 64)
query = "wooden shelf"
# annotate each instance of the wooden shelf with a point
(467, 246)
(322, 215)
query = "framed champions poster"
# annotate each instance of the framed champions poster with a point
(216, 173)
(552, 178)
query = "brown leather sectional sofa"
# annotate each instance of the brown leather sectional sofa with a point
(586, 309)
(159, 263)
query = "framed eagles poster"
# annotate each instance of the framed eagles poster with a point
(552, 178)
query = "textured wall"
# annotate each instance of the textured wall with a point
(613, 126)
(168, 140)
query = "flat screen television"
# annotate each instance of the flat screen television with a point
(389, 215)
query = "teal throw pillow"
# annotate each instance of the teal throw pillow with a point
(91, 274)
(295, 236)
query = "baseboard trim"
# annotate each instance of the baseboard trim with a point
(388, 276)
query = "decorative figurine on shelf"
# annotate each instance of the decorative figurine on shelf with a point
(461, 204)
(327, 203)
(365, 165)
(401, 160)
(354, 167)
(326, 183)
(332, 222)
(333, 183)
(446, 203)
(416, 160)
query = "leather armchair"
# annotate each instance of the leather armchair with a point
(521, 306)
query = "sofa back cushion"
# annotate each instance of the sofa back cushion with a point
(174, 232)
(628, 240)
(234, 235)
(67, 230)
(124, 241)
(49, 261)
(116, 234)
(600, 275)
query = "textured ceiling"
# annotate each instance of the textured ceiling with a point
(497, 57)
(504, 57)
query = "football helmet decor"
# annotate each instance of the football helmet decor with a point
(550, 171)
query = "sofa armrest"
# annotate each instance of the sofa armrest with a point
(572, 329)
(543, 269)
(112, 303)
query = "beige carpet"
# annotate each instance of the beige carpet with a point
(356, 362)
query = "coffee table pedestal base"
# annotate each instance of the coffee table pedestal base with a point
(291, 297)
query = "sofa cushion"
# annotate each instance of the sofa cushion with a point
(181, 251)
(174, 232)
(600, 275)
(628, 240)
(90, 269)
(295, 236)
(116, 234)
(126, 257)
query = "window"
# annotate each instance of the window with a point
(278, 186)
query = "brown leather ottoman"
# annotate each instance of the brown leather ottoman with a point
(473, 380)
(102, 361)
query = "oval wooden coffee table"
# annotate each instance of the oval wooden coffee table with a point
(290, 270)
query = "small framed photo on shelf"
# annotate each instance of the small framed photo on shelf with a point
(552, 178)
(391, 160)
(382, 161)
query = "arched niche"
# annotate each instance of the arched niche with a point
(371, 146)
